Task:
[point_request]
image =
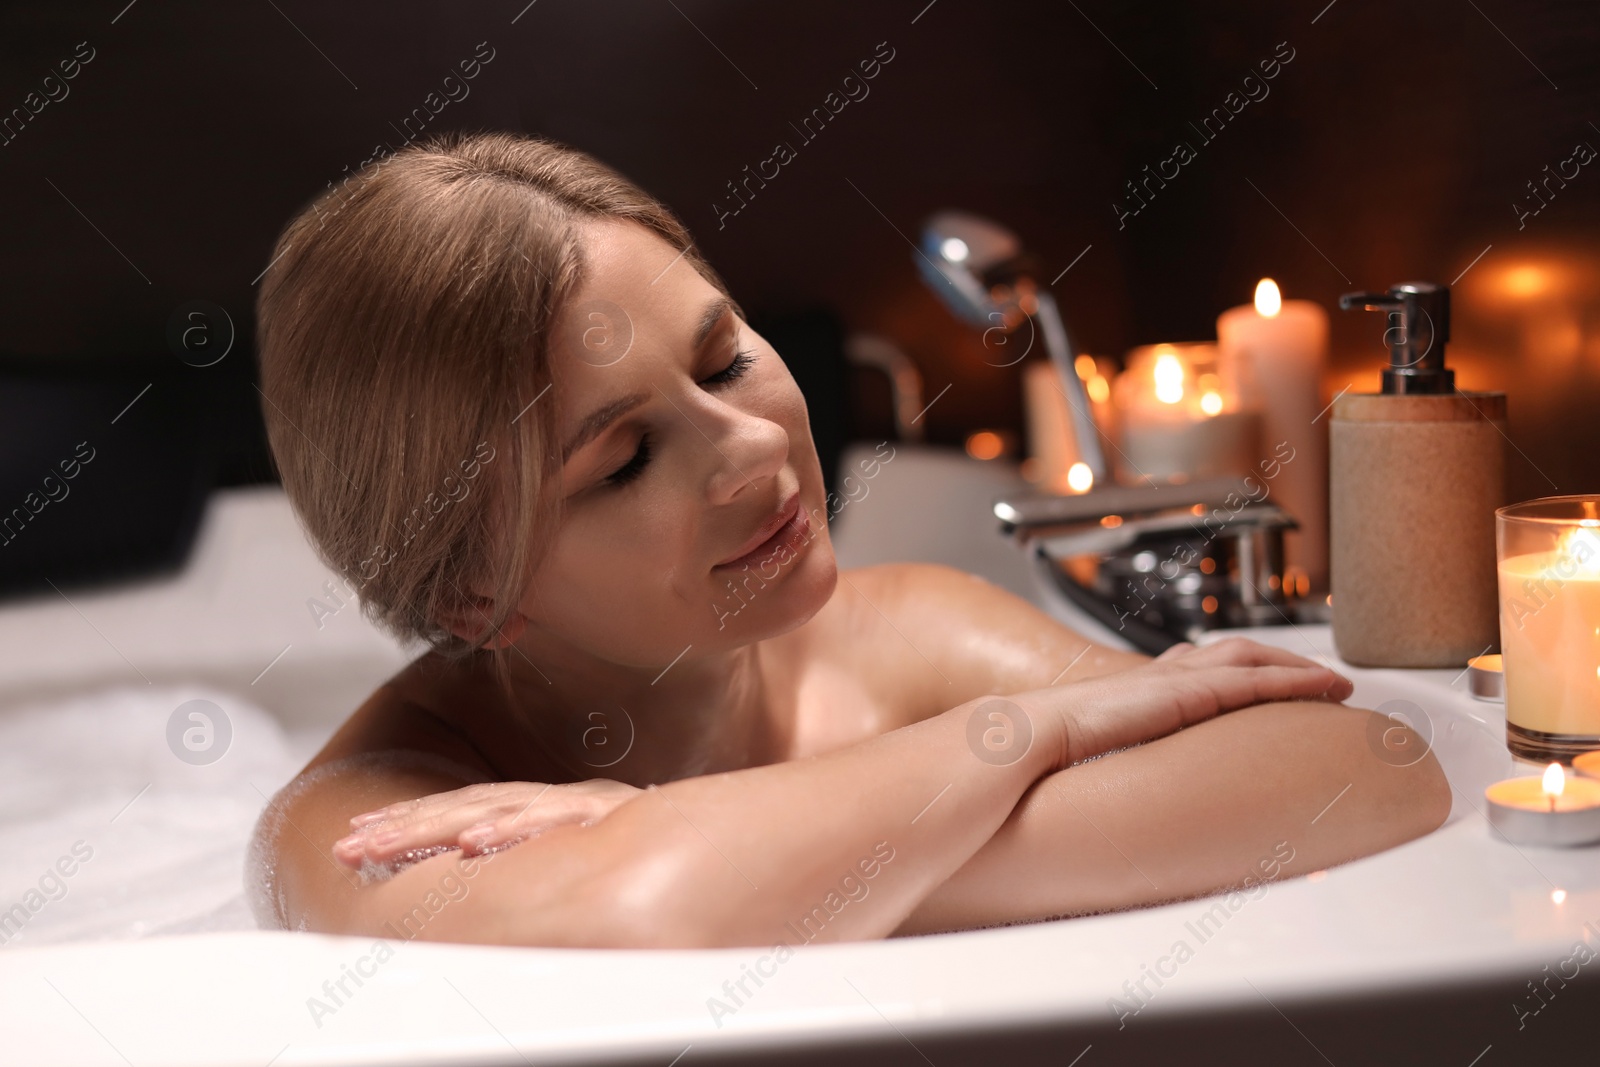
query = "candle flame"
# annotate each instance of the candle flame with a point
(1582, 547)
(1554, 781)
(1211, 403)
(1268, 300)
(1169, 378)
(1080, 479)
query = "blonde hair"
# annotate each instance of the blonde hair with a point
(403, 334)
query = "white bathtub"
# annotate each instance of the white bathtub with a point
(171, 972)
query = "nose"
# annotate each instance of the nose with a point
(749, 451)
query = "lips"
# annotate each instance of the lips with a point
(766, 539)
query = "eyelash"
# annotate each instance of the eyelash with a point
(742, 362)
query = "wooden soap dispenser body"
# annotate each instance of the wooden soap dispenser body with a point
(1415, 475)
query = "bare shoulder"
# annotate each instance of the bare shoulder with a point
(949, 636)
(926, 583)
(391, 749)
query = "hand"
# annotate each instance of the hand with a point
(478, 818)
(1182, 686)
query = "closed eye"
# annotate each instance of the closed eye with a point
(635, 465)
(742, 361)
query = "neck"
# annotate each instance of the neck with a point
(648, 725)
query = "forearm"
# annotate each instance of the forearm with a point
(841, 846)
(1245, 795)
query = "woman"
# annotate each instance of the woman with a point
(522, 416)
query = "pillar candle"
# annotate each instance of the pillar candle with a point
(1279, 350)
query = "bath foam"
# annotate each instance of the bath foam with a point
(90, 786)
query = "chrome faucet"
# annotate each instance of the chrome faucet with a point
(1161, 564)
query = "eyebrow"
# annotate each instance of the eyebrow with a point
(597, 421)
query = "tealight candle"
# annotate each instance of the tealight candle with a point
(1486, 679)
(1547, 809)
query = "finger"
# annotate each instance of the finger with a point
(439, 819)
(1175, 651)
(418, 807)
(540, 795)
(567, 808)
(475, 839)
(493, 836)
(566, 805)
(1257, 685)
(1241, 651)
(479, 797)
(348, 851)
(1340, 691)
(380, 843)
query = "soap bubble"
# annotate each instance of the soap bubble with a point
(999, 732)
(1390, 742)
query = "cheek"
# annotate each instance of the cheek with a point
(614, 568)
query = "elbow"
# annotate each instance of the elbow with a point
(1364, 781)
(1427, 795)
(1409, 795)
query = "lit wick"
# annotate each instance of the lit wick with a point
(1554, 783)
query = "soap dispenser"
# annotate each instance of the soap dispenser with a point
(1415, 474)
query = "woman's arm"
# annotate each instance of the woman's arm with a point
(1270, 791)
(835, 847)
(840, 846)
(1195, 810)
(956, 634)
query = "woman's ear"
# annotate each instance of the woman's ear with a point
(465, 623)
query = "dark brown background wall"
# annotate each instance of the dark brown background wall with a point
(1393, 146)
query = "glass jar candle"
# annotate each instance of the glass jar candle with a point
(1548, 557)
(1178, 417)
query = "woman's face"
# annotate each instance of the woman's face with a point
(689, 441)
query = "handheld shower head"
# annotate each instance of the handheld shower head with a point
(981, 272)
(966, 260)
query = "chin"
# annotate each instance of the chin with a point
(759, 609)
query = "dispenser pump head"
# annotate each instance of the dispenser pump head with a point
(1419, 326)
